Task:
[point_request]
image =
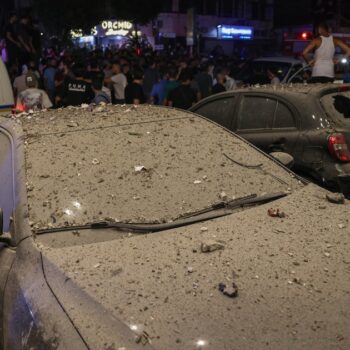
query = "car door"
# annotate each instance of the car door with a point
(7, 255)
(267, 121)
(219, 109)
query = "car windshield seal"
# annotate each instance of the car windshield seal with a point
(214, 211)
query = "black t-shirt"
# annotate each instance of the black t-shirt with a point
(182, 97)
(217, 88)
(95, 75)
(133, 92)
(11, 28)
(77, 92)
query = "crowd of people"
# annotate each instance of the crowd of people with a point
(119, 76)
(52, 78)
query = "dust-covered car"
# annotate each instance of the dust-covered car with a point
(153, 228)
(309, 122)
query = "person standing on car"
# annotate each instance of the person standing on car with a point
(324, 47)
(13, 45)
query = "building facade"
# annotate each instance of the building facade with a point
(236, 26)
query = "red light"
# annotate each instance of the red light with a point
(344, 88)
(338, 148)
(304, 35)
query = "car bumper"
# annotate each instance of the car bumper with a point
(338, 175)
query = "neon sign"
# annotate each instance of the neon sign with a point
(235, 32)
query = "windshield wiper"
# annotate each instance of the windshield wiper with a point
(214, 211)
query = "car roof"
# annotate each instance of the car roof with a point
(317, 90)
(290, 60)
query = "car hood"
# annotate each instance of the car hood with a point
(292, 274)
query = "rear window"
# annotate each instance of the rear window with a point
(337, 106)
(256, 72)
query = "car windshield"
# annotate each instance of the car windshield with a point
(255, 72)
(338, 106)
(145, 165)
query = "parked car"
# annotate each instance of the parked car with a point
(6, 94)
(256, 71)
(309, 122)
(152, 228)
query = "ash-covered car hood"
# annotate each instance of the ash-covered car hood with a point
(292, 274)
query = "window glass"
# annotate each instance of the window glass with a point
(256, 113)
(338, 106)
(283, 117)
(220, 111)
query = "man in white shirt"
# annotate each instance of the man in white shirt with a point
(19, 84)
(119, 81)
(32, 98)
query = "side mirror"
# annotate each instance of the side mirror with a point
(284, 158)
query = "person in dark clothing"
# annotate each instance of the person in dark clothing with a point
(77, 91)
(24, 37)
(183, 96)
(151, 77)
(134, 91)
(13, 45)
(94, 72)
(204, 81)
(220, 83)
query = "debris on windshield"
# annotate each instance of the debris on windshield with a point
(210, 246)
(189, 269)
(204, 229)
(223, 196)
(72, 124)
(197, 182)
(76, 233)
(341, 226)
(133, 133)
(276, 213)
(97, 265)
(84, 105)
(336, 198)
(230, 291)
(95, 161)
(139, 168)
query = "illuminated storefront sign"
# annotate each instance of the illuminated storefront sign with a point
(235, 32)
(121, 28)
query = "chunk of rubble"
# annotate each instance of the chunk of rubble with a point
(211, 246)
(336, 198)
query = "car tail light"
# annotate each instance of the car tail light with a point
(344, 88)
(338, 148)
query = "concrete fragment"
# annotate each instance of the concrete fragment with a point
(336, 198)
(210, 246)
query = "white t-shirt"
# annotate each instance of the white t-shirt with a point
(20, 83)
(33, 98)
(119, 85)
